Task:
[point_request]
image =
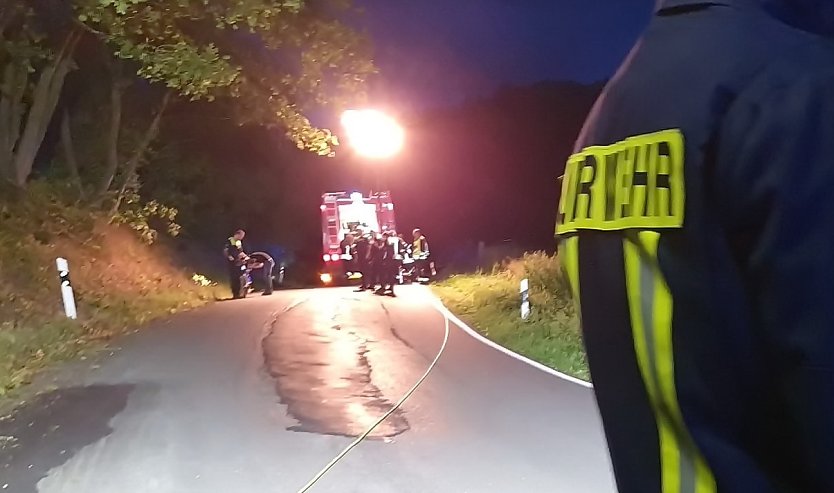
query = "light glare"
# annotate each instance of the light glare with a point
(372, 133)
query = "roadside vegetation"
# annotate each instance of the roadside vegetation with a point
(490, 303)
(94, 97)
(120, 282)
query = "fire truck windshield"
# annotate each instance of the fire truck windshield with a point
(357, 214)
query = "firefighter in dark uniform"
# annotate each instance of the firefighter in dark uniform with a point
(376, 256)
(235, 259)
(346, 245)
(361, 255)
(696, 227)
(390, 264)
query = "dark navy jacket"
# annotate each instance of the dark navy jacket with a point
(697, 229)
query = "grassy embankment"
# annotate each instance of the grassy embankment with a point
(490, 302)
(120, 282)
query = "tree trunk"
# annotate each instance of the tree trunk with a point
(133, 164)
(44, 100)
(5, 18)
(112, 163)
(15, 79)
(69, 153)
(9, 11)
(6, 144)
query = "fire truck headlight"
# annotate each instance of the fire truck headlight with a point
(326, 278)
(326, 257)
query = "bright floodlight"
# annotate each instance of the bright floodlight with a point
(372, 133)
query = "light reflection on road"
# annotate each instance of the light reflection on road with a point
(317, 354)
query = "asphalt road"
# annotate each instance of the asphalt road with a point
(257, 395)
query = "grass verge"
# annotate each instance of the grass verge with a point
(490, 303)
(120, 284)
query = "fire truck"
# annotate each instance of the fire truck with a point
(345, 212)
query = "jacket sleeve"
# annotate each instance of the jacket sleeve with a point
(774, 184)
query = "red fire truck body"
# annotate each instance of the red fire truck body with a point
(343, 213)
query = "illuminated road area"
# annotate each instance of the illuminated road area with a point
(257, 395)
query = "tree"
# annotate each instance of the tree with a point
(274, 58)
(26, 105)
(269, 61)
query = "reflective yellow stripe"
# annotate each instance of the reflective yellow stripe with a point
(683, 468)
(569, 254)
(704, 480)
(644, 348)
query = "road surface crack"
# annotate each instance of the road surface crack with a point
(318, 357)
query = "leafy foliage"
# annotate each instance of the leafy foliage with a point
(140, 216)
(270, 61)
(276, 58)
(23, 43)
(266, 62)
(113, 295)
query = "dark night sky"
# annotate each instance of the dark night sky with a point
(436, 52)
(434, 55)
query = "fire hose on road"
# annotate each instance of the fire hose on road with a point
(385, 416)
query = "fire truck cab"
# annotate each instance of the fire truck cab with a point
(343, 213)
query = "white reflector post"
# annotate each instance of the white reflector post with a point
(66, 288)
(525, 298)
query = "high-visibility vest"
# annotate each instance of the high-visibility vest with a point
(417, 249)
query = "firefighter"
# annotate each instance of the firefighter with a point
(420, 253)
(235, 259)
(361, 254)
(404, 247)
(390, 264)
(696, 228)
(347, 245)
(403, 255)
(376, 255)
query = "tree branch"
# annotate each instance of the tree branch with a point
(133, 164)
